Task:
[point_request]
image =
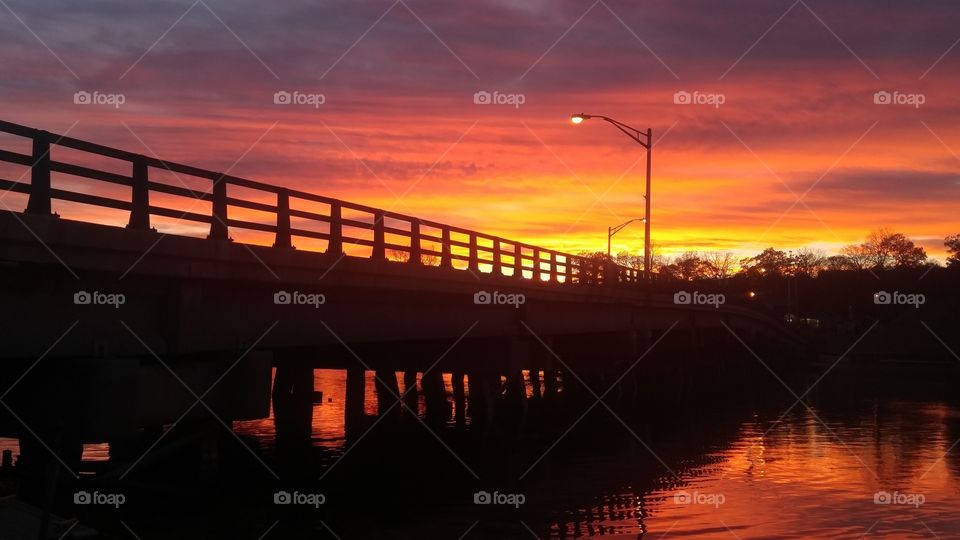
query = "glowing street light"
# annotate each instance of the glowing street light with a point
(614, 230)
(644, 139)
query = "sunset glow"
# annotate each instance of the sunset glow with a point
(781, 142)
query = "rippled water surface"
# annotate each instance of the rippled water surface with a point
(880, 469)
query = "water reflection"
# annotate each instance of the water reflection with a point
(879, 469)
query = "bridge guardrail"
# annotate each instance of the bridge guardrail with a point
(500, 255)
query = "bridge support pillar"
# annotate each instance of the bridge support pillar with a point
(293, 408)
(410, 391)
(535, 383)
(435, 394)
(459, 398)
(388, 391)
(481, 402)
(353, 410)
(550, 383)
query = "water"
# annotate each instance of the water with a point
(804, 479)
(859, 462)
(882, 469)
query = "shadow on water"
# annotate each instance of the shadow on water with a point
(714, 454)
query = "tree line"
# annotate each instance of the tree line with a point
(883, 249)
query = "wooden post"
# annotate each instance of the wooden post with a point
(218, 220)
(335, 242)
(474, 263)
(553, 266)
(415, 241)
(283, 219)
(536, 264)
(497, 266)
(568, 269)
(140, 196)
(39, 201)
(517, 261)
(446, 258)
(379, 237)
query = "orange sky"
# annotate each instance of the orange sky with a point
(399, 128)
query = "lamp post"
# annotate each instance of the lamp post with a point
(614, 230)
(644, 139)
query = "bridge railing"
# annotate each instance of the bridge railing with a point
(444, 245)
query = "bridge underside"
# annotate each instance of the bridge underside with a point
(194, 308)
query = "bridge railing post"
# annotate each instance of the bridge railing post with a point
(497, 265)
(283, 239)
(536, 264)
(518, 261)
(218, 217)
(379, 237)
(140, 196)
(446, 255)
(553, 266)
(39, 201)
(415, 241)
(567, 269)
(335, 240)
(474, 263)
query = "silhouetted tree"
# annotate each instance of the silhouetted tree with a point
(769, 262)
(807, 262)
(953, 250)
(689, 266)
(838, 262)
(886, 249)
(719, 264)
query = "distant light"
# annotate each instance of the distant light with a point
(751, 294)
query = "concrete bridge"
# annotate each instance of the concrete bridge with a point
(135, 312)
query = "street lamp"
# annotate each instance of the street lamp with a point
(614, 230)
(644, 139)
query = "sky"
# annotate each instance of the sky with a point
(799, 122)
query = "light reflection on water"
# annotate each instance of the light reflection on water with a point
(328, 416)
(804, 480)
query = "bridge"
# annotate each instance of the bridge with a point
(135, 313)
